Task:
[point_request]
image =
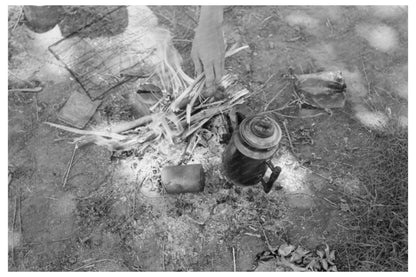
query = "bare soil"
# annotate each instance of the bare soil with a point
(98, 222)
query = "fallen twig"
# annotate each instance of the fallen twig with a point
(285, 106)
(294, 39)
(266, 19)
(52, 241)
(235, 266)
(31, 90)
(93, 264)
(182, 40)
(163, 256)
(267, 81)
(271, 248)
(18, 18)
(343, 163)
(13, 223)
(329, 201)
(65, 179)
(288, 137)
(252, 228)
(302, 117)
(275, 96)
(36, 107)
(316, 173)
(252, 235)
(329, 25)
(20, 212)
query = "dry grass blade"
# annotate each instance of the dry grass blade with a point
(84, 132)
(234, 50)
(302, 117)
(181, 100)
(168, 67)
(68, 170)
(125, 126)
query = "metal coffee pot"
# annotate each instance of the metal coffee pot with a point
(249, 152)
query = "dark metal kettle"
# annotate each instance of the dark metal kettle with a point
(248, 154)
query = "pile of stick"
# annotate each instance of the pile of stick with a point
(172, 120)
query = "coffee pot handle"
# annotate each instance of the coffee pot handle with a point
(267, 186)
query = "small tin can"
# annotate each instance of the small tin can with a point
(183, 178)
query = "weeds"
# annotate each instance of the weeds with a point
(380, 214)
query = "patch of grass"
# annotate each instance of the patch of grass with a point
(379, 214)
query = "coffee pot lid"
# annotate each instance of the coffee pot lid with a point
(260, 132)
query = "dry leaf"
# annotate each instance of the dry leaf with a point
(302, 251)
(314, 265)
(331, 255)
(333, 268)
(324, 264)
(280, 269)
(326, 250)
(266, 266)
(285, 249)
(296, 257)
(320, 253)
(298, 254)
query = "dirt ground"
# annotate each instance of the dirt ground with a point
(101, 222)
